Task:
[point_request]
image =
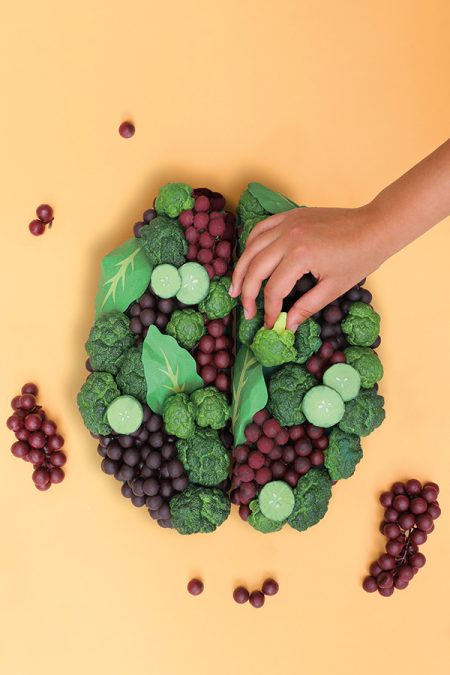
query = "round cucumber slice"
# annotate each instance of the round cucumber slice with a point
(323, 406)
(344, 379)
(194, 283)
(276, 500)
(165, 281)
(125, 415)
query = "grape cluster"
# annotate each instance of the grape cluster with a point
(150, 310)
(37, 439)
(410, 509)
(214, 354)
(147, 464)
(209, 232)
(44, 214)
(273, 453)
(256, 598)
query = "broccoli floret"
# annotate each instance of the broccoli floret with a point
(179, 416)
(343, 454)
(93, 400)
(367, 363)
(361, 325)
(274, 346)
(163, 241)
(199, 509)
(204, 457)
(363, 414)
(109, 340)
(259, 521)
(247, 328)
(218, 303)
(287, 387)
(249, 207)
(131, 378)
(174, 198)
(211, 407)
(312, 494)
(187, 327)
(247, 227)
(307, 340)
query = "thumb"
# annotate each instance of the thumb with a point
(310, 303)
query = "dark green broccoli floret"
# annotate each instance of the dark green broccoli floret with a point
(211, 407)
(249, 207)
(312, 494)
(274, 346)
(93, 400)
(179, 416)
(174, 198)
(247, 328)
(259, 521)
(287, 387)
(204, 457)
(363, 414)
(131, 378)
(187, 327)
(367, 363)
(361, 325)
(164, 242)
(247, 228)
(343, 454)
(109, 340)
(307, 340)
(218, 303)
(199, 509)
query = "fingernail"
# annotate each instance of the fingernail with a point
(231, 290)
(245, 314)
(293, 328)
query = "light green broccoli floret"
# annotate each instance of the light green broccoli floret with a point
(109, 340)
(367, 363)
(259, 521)
(211, 407)
(343, 454)
(163, 241)
(93, 400)
(274, 346)
(312, 494)
(199, 509)
(204, 457)
(247, 227)
(174, 198)
(247, 328)
(307, 340)
(363, 414)
(218, 302)
(287, 387)
(361, 325)
(131, 378)
(249, 207)
(187, 327)
(179, 416)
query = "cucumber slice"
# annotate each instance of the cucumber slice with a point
(323, 406)
(165, 281)
(125, 415)
(344, 379)
(276, 500)
(194, 283)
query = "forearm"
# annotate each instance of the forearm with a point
(412, 204)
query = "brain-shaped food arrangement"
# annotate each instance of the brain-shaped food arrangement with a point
(196, 408)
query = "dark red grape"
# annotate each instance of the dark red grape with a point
(48, 428)
(220, 266)
(40, 477)
(245, 473)
(405, 572)
(15, 403)
(261, 416)
(222, 382)
(406, 521)
(386, 561)
(326, 351)
(241, 595)
(417, 560)
(314, 365)
(205, 240)
(205, 256)
(386, 592)
(433, 485)
(413, 487)
(418, 505)
(271, 428)
(424, 522)
(303, 447)
(429, 494)
(36, 227)
(192, 252)
(204, 359)
(317, 458)
(55, 443)
(126, 129)
(207, 344)
(210, 269)
(375, 569)
(394, 547)
(191, 235)
(29, 388)
(56, 475)
(302, 465)
(27, 401)
(256, 459)
(252, 433)
(247, 492)
(264, 444)
(222, 359)
(216, 328)
(370, 584)
(398, 488)
(186, 218)
(391, 515)
(208, 374)
(385, 580)
(201, 221)
(244, 509)
(386, 499)
(256, 599)
(270, 587)
(391, 530)
(338, 357)
(195, 587)
(216, 227)
(37, 440)
(291, 477)
(296, 432)
(401, 503)
(58, 459)
(434, 510)
(240, 453)
(223, 250)
(263, 475)
(15, 422)
(45, 213)
(418, 537)
(36, 456)
(33, 422)
(20, 449)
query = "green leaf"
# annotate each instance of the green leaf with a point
(249, 392)
(273, 202)
(125, 274)
(169, 369)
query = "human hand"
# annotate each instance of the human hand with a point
(337, 246)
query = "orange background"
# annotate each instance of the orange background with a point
(327, 101)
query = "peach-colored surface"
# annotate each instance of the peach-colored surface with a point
(327, 101)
